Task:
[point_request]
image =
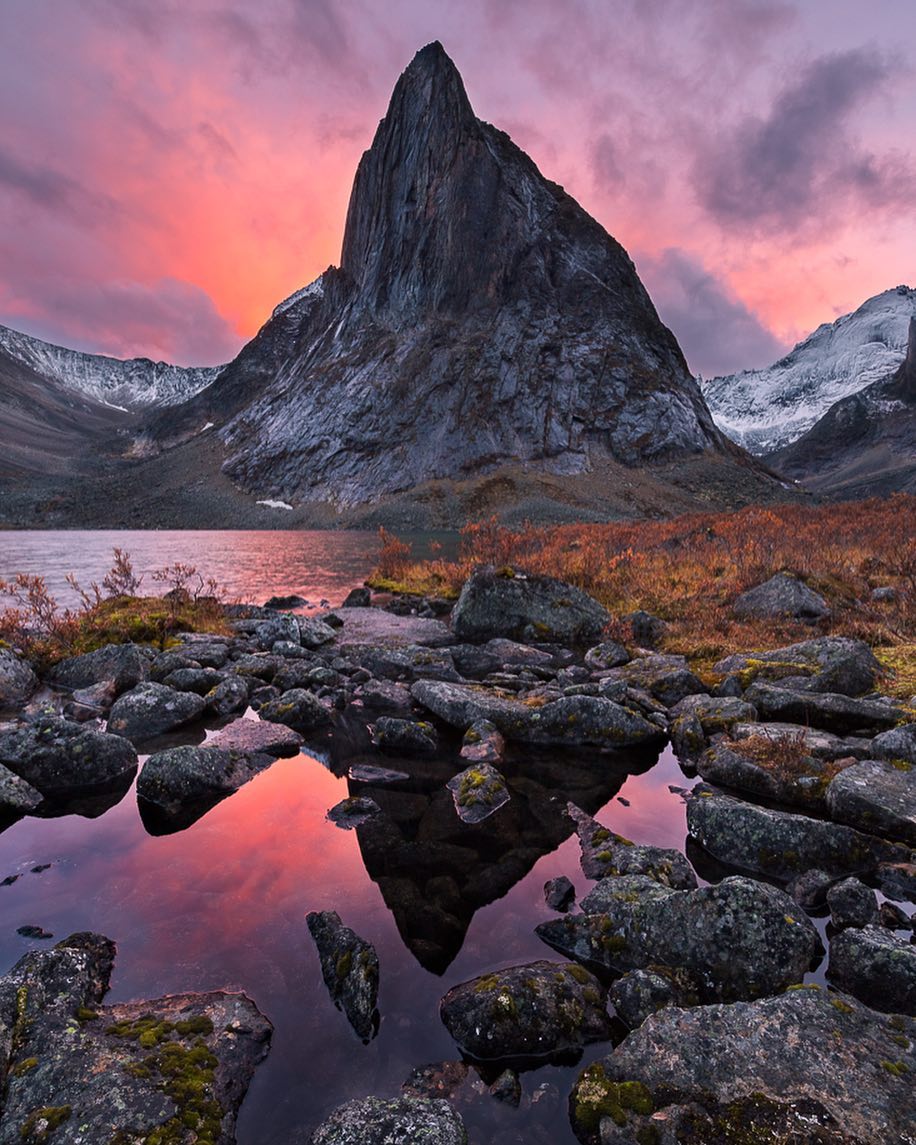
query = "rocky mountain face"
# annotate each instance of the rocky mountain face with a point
(865, 444)
(479, 318)
(766, 410)
(132, 384)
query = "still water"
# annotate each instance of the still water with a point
(222, 904)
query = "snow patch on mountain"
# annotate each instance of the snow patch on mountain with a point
(764, 410)
(131, 384)
(314, 290)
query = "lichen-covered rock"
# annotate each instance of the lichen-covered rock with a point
(349, 966)
(639, 993)
(852, 903)
(283, 627)
(827, 664)
(606, 853)
(541, 1009)
(199, 680)
(229, 696)
(392, 1121)
(782, 595)
(739, 939)
(483, 743)
(898, 744)
(16, 796)
(877, 966)
(297, 708)
(256, 736)
(152, 709)
(815, 741)
(183, 776)
(123, 664)
(61, 758)
(829, 710)
(508, 602)
(559, 894)
(666, 677)
(17, 680)
(353, 811)
(810, 888)
(406, 737)
(765, 766)
(781, 843)
(478, 792)
(170, 1070)
(878, 797)
(386, 697)
(715, 713)
(412, 662)
(804, 1066)
(609, 654)
(313, 633)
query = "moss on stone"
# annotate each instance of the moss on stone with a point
(41, 1123)
(597, 1096)
(24, 1066)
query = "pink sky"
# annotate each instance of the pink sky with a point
(171, 169)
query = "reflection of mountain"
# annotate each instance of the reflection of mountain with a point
(435, 872)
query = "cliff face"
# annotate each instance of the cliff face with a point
(479, 318)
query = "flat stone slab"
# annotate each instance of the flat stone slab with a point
(878, 797)
(363, 626)
(478, 792)
(257, 736)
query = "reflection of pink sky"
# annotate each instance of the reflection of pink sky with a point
(165, 209)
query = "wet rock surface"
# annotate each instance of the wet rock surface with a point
(392, 1121)
(804, 1066)
(350, 969)
(151, 709)
(538, 1010)
(172, 1069)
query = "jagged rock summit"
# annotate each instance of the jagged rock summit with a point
(480, 319)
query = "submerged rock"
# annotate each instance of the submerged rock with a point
(741, 939)
(392, 1121)
(805, 1066)
(349, 966)
(508, 602)
(151, 709)
(878, 797)
(183, 776)
(877, 966)
(478, 791)
(781, 843)
(540, 1009)
(60, 758)
(782, 595)
(123, 664)
(153, 1071)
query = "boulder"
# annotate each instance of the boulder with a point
(826, 664)
(298, 709)
(830, 710)
(610, 654)
(199, 680)
(150, 1070)
(605, 853)
(16, 796)
(385, 696)
(283, 627)
(349, 966)
(152, 709)
(538, 1010)
(739, 939)
(357, 598)
(782, 595)
(124, 664)
(715, 713)
(508, 602)
(282, 603)
(392, 1121)
(639, 993)
(667, 678)
(478, 792)
(814, 741)
(183, 777)
(313, 633)
(354, 811)
(412, 662)
(60, 758)
(782, 844)
(406, 737)
(768, 766)
(876, 796)
(17, 680)
(794, 1068)
(810, 888)
(898, 744)
(852, 903)
(379, 628)
(256, 736)
(876, 966)
(230, 695)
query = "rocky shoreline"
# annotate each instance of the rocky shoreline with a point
(806, 806)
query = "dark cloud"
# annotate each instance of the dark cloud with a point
(51, 190)
(800, 162)
(170, 320)
(717, 332)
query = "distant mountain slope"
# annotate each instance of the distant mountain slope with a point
(865, 444)
(480, 321)
(764, 410)
(131, 384)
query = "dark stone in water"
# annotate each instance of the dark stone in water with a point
(256, 736)
(61, 758)
(283, 602)
(298, 709)
(877, 966)
(354, 811)
(31, 931)
(406, 737)
(852, 903)
(349, 966)
(152, 709)
(606, 853)
(369, 773)
(559, 893)
(357, 598)
(187, 777)
(478, 792)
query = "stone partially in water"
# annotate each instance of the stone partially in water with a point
(298, 709)
(606, 853)
(483, 743)
(391, 1121)
(152, 709)
(852, 903)
(540, 1010)
(477, 792)
(257, 736)
(354, 811)
(16, 796)
(61, 758)
(559, 894)
(187, 776)
(349, 966)
(406, 737)
(804, 1066)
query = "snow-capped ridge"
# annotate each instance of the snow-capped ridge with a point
(314, 290)
(766, 409)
